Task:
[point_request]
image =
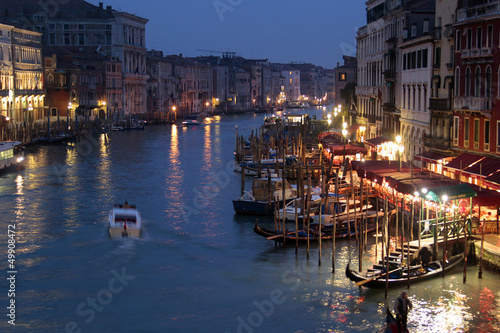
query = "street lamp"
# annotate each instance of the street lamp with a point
(174, 109)
(67, 117)
(400, 151)
(344, 135)
(329, 118)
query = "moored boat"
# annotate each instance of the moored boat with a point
(11, 155)
(125, 221)
(398, 275)
(265, 192)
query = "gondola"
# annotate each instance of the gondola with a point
(326, 233)
(399, 276)
(392, 325)
(277, 235)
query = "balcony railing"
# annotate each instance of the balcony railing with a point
(477, 53)
(478, 11)
(439, 104)
(389, 74)
(366, 90)
(473, 103)
(389, 107)
(438, 143)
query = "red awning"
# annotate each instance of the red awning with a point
(338, 149)
(353, 128)
(466, 159)
(431, 157)
(494, 178)
(376, 141)
(484, 167)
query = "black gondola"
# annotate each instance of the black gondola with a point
(377, 279)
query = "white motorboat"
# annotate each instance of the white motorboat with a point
(11, 155)
(124, 221)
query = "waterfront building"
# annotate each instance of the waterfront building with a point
(161, 86)
(345, 85)
(28, 93)
(370, 85)
(240, 97)
(193, 84)
(114, 89)
(117, 34)
(439, 139)
(6, 74)
(260, 81)
(75, 83)
(221, 88)
(476, 123)
(292, 82)
(330, 85)
(408, 70)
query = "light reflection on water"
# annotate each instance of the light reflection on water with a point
(196, 275)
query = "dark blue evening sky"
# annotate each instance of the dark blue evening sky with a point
(315, 31)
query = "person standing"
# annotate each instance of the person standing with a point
(401, 308)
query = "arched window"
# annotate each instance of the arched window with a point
(467, 81)
(457, 81)
(477, 80)
(50, 80)
(487, 92)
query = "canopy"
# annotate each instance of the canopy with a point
(353, 128)
(466, 159)
(453, 192)
(376, 141)
(484, 167)
(338, 149)
(430, 156)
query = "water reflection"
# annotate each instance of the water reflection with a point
(174, 176)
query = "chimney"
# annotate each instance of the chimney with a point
(108, 8)
(338, 64)
(100, 5)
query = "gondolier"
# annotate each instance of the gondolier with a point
(401, 307)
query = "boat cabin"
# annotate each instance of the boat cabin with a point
(265, 189)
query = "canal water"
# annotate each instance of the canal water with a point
(198, 267)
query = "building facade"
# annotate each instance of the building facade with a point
(439, 139)
(476, 122)
(28, 92)
(370, 56)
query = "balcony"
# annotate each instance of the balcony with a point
(366, 90)
(390, 74)
(473, 103)
(484, 52)
(483, 10)
(438, 143)
(439, 104)
(389, 107)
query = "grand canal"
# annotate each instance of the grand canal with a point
(198, 267)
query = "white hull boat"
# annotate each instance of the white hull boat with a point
(124, 221)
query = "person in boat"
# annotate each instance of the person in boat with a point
(126, 205)
(425, 256)
(402, 306)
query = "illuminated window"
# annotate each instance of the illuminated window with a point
(342, 76)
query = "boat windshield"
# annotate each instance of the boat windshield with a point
(128, 218)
